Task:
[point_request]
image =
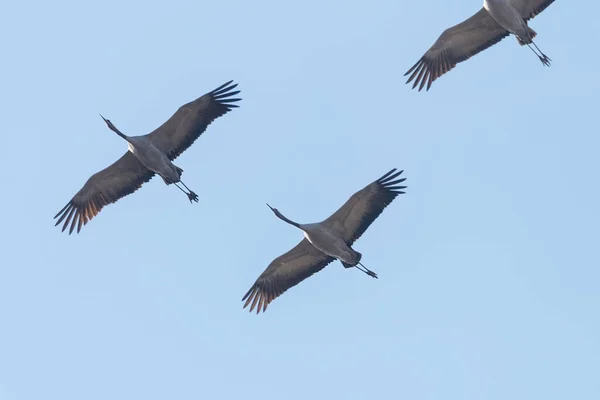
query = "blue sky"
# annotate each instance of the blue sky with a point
(488, 266)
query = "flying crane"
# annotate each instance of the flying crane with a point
(493, 22)
(325, 241)
(146, 156)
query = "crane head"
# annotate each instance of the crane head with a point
(112, 127)
(276, 212)
(282, 217)
(107, 121)
(273, 209)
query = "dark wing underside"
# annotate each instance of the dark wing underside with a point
(123, 177)
(191, 120)
(530, 8)
(284, 272)
(456, 45)
(353, 218)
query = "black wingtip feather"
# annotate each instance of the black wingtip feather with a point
(220, 88)
(412, 69)
(223, 96)
(387, 175)
(78, 212)
(226, 94)
(223, 89)
(391, 175)
(395, 182)
(60, 212)
(248, 293)
(390, 183)
(258, 297)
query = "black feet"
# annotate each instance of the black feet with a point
(371, 273)
(192, 196)
(545, 60)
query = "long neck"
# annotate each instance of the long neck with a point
(113, 128)
(284, 218)
(118, 132)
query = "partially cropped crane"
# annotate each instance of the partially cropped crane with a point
(148, 155)
(495, 21)
(325, 241)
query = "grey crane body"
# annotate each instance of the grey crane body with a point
(508, 17)
(155, 160)
(148, 155)
(331, 243)
(325, 241)
(496, 20)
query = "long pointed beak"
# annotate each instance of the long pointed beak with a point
(272, 209)
(105, 120)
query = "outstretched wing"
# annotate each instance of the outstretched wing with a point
(353, 218)
(123, 177)
(456, 45)
(191, 120)
(284, 272)
(530, 8)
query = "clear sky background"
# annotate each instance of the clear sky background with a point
(489, 267)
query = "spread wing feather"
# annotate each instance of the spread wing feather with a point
(191, 120)
(358, 213)
(123, 177)
(284, 272)
(455, 45)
